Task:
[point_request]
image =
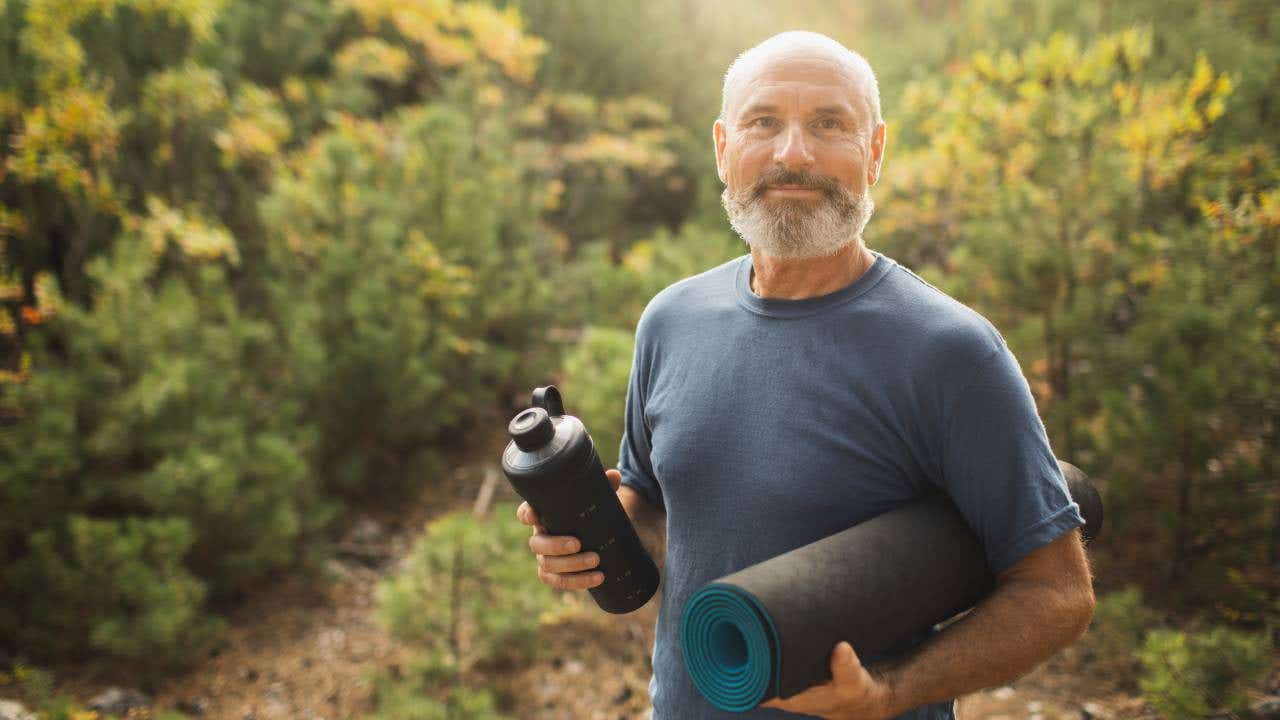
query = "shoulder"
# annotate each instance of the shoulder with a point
(949, 339)
(683, 300)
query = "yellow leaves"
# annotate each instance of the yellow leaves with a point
(1240, 225)
(1201, 77)
(188, 95)
(294, 89)
(257, 128)
(48, 299)
(458, 33)
(639, 257)
(490, 96)
(61, 139)
(555, 191)
(12, 223)
(22, 374)
(371, 57)
(1153, 274)
(192, 234)
(48, 35)
(440, 279)
(636, 151)
(1134, 48)
(499, 35)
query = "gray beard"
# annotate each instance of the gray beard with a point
(792, 229)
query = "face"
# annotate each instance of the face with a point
(797, 152)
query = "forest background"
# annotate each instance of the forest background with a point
(261, 263)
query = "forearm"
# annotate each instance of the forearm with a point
(1019, 625)
(650, 523)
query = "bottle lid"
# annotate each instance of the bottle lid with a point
(531, 429)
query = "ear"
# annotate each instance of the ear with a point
(718, 137)
(877, 154)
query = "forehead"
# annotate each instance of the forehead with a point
(789, 80)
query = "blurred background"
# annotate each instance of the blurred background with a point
(275, 274)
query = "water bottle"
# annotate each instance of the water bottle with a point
(552, 463)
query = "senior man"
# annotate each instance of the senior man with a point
(814, 383)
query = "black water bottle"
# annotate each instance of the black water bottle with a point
(552, 463)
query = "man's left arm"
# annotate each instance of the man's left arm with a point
(995, 462)
(1040, 604)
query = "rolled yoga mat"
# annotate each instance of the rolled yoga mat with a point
(768, 630)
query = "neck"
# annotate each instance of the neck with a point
(796, 279)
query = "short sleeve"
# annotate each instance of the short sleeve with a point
(998, 467)
(633, 455)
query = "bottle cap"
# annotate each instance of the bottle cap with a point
(531, 429)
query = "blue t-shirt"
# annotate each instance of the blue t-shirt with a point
(761, 425)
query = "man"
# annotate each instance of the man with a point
(789, 394)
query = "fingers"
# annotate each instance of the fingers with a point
(846, 668)
(544, 544)
(564, 564)
(615, 478)
(571, 581)
(526, 514)
(560, 564)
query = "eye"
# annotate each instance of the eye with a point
(829, 124)
(764, 122)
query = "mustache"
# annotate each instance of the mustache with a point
(778, 176)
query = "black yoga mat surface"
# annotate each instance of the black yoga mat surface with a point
(768, 630)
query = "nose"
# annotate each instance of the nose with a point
(792, 149)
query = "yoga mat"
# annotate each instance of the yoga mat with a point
(768, 630)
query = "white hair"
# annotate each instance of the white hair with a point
(857, 64)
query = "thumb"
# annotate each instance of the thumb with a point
(845, 665)
(615, 478)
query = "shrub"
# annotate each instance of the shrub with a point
(152, 462)
(407, 277)
(469, 588)
(596, 371)
(1187, 677)
(1120, 621)
(468, 592)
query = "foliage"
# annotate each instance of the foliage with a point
(1187, 677)
(260, 258)
(416, 701)
(149, 451)
(408, 296)
(596, 371)
(1120, 623)
(468, 593)
(469, 587)
(176, 370)
(613, 293)
(1069, 193)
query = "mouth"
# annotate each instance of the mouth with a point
(792, 190)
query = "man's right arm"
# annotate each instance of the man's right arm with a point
(563, 565)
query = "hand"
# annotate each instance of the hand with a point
(853, 693)
(560, 565)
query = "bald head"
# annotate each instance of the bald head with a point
(801, 46)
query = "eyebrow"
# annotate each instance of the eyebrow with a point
(824, 110)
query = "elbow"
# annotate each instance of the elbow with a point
(1082, 607)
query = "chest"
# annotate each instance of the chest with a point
(771, 426)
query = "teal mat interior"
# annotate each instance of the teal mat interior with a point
(731, 647)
